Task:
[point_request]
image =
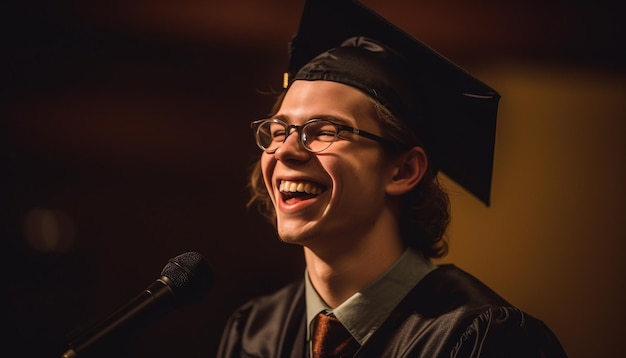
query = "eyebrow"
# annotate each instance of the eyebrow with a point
(328, 117)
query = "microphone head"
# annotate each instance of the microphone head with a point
(190, 277)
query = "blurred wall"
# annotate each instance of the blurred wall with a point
(125, 142)
(552, 241)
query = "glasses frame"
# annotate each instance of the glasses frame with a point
(290, 128)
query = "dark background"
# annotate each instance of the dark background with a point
(125, 141)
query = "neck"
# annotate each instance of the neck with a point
(339, 274)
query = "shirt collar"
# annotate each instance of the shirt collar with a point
(364, 312)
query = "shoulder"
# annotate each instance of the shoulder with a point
(452, 313)
(273, 301)
(265, 323)
(500, 331)
(449, 288)
(487, 325)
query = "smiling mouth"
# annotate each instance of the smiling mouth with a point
(299, 190)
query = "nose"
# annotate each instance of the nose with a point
(292, 148)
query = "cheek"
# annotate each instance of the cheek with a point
(364, 173)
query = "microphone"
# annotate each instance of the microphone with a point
(184, 280)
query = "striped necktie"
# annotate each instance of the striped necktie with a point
(331, 338)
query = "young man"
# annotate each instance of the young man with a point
(348, 171)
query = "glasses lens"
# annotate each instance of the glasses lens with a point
(270, 135)
(319, 135)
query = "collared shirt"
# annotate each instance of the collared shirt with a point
(364, 312)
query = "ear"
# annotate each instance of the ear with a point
(408, 169)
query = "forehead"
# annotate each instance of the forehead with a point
(309, 99)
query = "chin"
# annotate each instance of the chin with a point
(299, 236)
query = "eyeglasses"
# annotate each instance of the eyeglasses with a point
(315, 135)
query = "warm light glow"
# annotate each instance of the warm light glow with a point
(48, 230)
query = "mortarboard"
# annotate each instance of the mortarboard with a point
(453, 113)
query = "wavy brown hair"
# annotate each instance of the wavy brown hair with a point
(424, 211)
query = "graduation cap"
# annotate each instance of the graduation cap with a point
(453, 113)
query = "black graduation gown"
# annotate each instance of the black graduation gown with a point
(449, 313)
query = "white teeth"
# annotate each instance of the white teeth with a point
(299, 187)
